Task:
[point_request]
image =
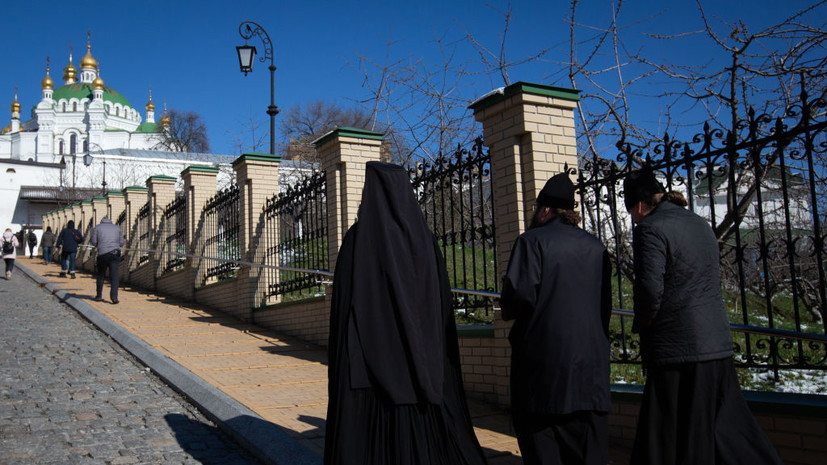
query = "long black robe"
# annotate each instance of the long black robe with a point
(395, 386)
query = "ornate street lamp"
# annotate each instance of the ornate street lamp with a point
(246, 55)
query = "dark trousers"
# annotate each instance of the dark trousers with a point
(9, 264)
(47, 254)
(575, 438)
(111, 261)
(694, 413)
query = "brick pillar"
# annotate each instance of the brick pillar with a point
(86, 214)
(199, 185)
(134, 198)
(161, 193)
(115, 205)
(529, 130)
(343, 154)
(257, 175)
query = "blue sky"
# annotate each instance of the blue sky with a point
(185, 50)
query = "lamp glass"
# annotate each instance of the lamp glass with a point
(87, 159)
(246, 55)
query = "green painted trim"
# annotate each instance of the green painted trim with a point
(475, 330)
(114, 194)
(86, 202)
(257, 156)
(200, 169)
(161, 177)
(100, 198)
(525, 88)
(135, 188)
(348, 132)
(289, 304)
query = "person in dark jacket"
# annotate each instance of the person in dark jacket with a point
(108, 239)
(395, 384)
(692, 410)
(48, 243)
(557, 289)
(68, 241)
(31, 239)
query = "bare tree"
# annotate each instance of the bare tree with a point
(250, 135)
(186, 133)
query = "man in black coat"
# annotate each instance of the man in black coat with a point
(557, 289)
(692, 410)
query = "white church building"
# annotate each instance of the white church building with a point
(80, 140)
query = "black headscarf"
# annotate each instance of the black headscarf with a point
(397, 323)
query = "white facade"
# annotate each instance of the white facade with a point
(83, 120)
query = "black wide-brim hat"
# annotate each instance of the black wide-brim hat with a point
(557, 193)
(640, 185)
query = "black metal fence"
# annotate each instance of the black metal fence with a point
(221, 229)
(455, 195)
(143, 233)
(175, 234)
(761, 185)
(295, 236)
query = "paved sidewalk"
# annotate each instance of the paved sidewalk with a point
(226, 367)
(69, 395)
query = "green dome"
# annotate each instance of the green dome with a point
(81, 90)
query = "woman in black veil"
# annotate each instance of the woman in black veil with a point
(395, 385)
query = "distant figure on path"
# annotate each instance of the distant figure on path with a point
(48, 243)
(9, 250)
(558, 291)
(396, 394)
(108, 239)
(31, 238)
(68, 241)
(693, 411)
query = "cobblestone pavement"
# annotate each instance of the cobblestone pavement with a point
(70, 395)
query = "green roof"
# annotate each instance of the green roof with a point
(81, 90)
(148, 128)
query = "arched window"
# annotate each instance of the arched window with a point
(73, 144)
(60, 148)
(63, 106)
(74, 106)
(117, 111)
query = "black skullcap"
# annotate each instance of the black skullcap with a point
(557, 193)
(640, 185)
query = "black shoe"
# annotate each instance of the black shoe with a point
(98, 299)
(62, 274)
(114, 302)
(73, 276)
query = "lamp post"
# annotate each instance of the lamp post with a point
(87, 160)
(246, 56)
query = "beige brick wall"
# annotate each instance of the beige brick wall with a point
(309, 321)
(223, 296)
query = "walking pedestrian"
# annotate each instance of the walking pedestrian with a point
(557, 290)
(68, 241)
(108, 239)
(692, 411)
(31, 238)
(48, 243)
(395, 385)
(9, 249)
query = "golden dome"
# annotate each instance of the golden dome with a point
(88, 61)
(165, 119)
(47, 82)
(6, 130)
(98, 82)
(149, 105)
(70, 72)
(15, 106)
